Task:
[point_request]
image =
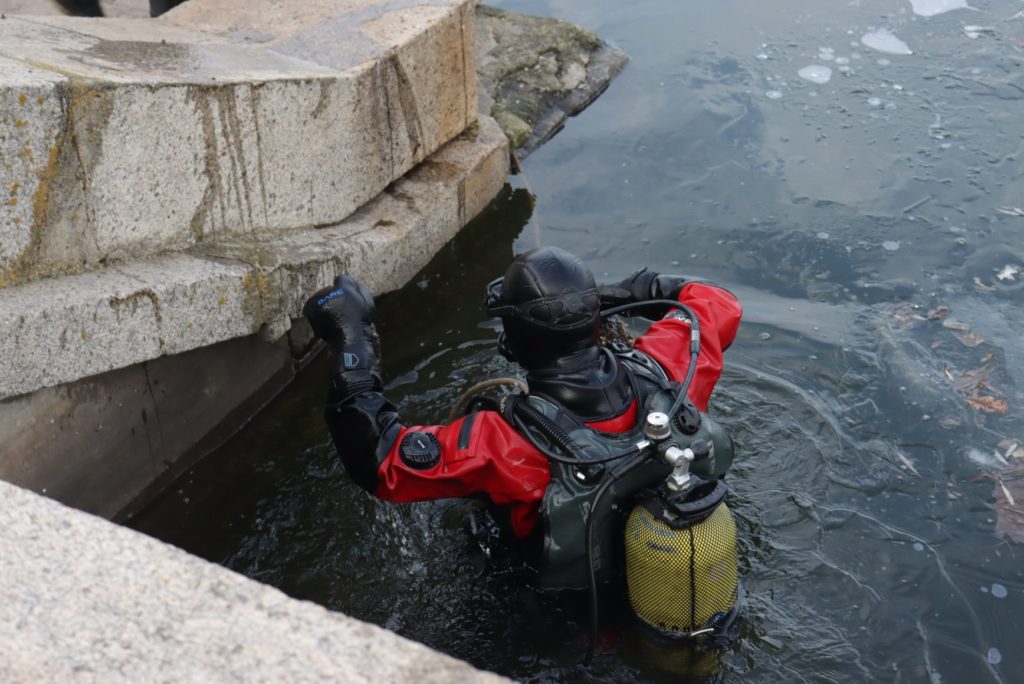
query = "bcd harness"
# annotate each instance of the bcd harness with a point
(609, 471)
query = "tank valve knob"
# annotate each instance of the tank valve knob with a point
(656, 427)
(701, 449)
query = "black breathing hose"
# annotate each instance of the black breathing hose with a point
(560, 437)
(694, 342)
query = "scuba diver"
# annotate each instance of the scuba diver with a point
(605, 465)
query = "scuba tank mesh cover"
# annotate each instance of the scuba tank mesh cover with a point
(681, 560)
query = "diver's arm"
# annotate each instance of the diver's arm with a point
(667, 340)
(643, 285)
(478, 454)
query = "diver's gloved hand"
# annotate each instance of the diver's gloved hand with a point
(642, 286)
(342, 316)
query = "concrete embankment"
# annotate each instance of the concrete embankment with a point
(170, 192)
(87, 601)
(185, 182)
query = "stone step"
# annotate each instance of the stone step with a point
(56, 330)
(85, 600)
(128, 138)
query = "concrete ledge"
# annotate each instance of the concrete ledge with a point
(83, 600)
(60, 329)
(125, 138)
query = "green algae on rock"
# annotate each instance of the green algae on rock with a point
(535, 72)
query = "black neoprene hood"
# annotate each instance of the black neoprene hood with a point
(549, 306)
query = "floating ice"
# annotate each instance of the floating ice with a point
(998, 590)
(762, 56)
(975, 31)
(816, 74)
(891, 245)
(994, 656)
(918, 546)
(929, 8)
(885, 40)
(842, 60)
(883, 62)
(1008, 272)
(773, 95)
(875, 101)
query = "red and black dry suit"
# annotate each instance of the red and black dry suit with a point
(483, 454)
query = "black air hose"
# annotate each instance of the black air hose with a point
(523, 412)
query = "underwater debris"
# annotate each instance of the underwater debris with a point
(969, 339)
(907, 463)
(1009, 514)
(988, 404)
(1008, 272)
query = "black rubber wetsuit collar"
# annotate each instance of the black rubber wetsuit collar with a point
(590, 383)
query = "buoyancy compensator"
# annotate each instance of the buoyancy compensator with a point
(648, 502)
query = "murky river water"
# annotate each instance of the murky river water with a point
(874, 391)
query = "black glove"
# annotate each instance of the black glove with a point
(342, 316)
(642, 286)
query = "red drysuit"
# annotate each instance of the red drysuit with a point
(483, 454)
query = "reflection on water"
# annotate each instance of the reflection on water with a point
(874, 392)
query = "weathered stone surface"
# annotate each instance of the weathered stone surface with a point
(535, 72)
(54, 331)
(97, 443)
(156, 136)
(31, 130)
(132, 609)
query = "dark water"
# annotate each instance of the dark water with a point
(867, 487)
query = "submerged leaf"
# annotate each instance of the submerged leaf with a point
(1010, 516)
(969, 339)
(983, 286)
(907, 463)
(988, 404)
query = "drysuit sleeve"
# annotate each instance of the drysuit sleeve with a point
(667, 340)
(477, 454)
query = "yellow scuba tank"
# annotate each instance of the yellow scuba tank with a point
(681, 560)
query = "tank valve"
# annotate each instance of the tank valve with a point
(656, 428)
(680, 460)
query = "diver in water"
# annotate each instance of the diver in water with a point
(607, 466)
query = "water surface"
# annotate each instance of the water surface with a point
(866, 222)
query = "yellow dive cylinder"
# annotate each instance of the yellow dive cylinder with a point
(681, 565)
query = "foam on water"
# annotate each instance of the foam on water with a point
(929, 8)
(816, 73)
(886, 41)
